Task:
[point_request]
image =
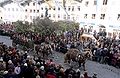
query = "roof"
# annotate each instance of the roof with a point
(29, 1)
(25, 2)
(5, 3)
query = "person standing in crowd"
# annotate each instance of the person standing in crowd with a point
(17, 70)
(94, 75)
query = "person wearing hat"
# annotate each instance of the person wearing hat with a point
(77, 74)
(42, 72)
(10, 65)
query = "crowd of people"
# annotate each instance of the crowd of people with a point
(16, 64)
(108, 51)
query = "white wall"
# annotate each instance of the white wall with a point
(1, 13)
(13, 12)
(29, 16)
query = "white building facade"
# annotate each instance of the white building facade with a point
(13, 12)
(32, 11)
(1, 13)
(89, 13)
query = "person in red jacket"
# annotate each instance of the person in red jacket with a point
(51, 75)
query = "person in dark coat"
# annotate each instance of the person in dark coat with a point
(10, 74)
(29, 72)
(70, 71)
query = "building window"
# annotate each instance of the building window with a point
(49, 15)
(37, 11)
(85, 16)
(69, 8)
(54, 8)
(26, 10)
(38, 3)
(72, 8)
(0, 17)
(118, 18)
(28, 4)
(95, 2)
(102, 16)
(30, 10)
(64, 17)
(33, 4)
(45, 8)
(93, 16)
(58, 8)
(78, 8)
(41, 15)
(53, 15)
(58, 16)
(86, 3)
(49, 8)
(41, 8)
(105, 2)
(34, 10)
